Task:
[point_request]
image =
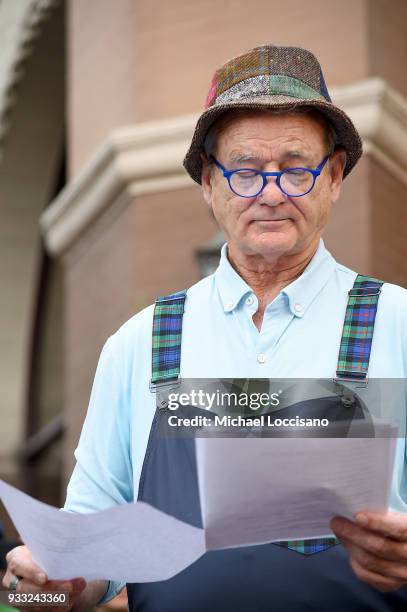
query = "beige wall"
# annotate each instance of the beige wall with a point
(101, 73)
(348, 233)
(387, 41)
(389, 223)
(171, 226)
(180, 43)
(367, 228)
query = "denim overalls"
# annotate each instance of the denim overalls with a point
(279, 577)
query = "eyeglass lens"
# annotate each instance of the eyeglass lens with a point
(248, 183)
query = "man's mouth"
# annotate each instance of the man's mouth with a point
(270, 220)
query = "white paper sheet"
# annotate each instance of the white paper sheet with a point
(257, 490)
(132, 542)
(253, 490)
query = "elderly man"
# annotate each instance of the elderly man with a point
(270, 151)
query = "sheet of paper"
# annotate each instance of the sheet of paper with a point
(257, 490)
(253, 491)
(131, 542)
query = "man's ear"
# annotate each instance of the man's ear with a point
(206, 180)
(337, 167)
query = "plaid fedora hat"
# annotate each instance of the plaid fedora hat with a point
(271, 77)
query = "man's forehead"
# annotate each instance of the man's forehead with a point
(268, 124)
(244, 136)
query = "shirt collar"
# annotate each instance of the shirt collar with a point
(231, 286)
(300, 293)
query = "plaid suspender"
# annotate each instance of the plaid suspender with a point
(353, 359)
(356, 342)
(167, 334)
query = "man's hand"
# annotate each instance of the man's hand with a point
(33, 579)
(377, 546)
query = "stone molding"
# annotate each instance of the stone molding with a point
(147, 158)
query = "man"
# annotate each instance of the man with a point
(270, 151)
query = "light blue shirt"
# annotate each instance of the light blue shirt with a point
(299, 338)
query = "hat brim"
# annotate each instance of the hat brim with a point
(347, 135)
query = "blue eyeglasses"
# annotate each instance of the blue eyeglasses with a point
(249, 183)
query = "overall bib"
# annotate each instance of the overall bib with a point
(298, 576)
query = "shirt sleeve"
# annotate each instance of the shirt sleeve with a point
(102, 476)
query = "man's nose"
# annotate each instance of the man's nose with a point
(271, 194)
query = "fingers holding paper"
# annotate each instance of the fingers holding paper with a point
(377, 547)
(28, 577)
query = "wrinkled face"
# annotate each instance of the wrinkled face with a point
(272, 224)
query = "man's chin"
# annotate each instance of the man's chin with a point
(273, 243)
(269, 254)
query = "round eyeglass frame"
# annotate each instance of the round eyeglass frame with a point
(229, 173)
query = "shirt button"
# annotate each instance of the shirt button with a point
(229, 305)
(249, 300)
(297, 307)
(261, 358)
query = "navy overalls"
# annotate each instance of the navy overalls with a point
(269, 577)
